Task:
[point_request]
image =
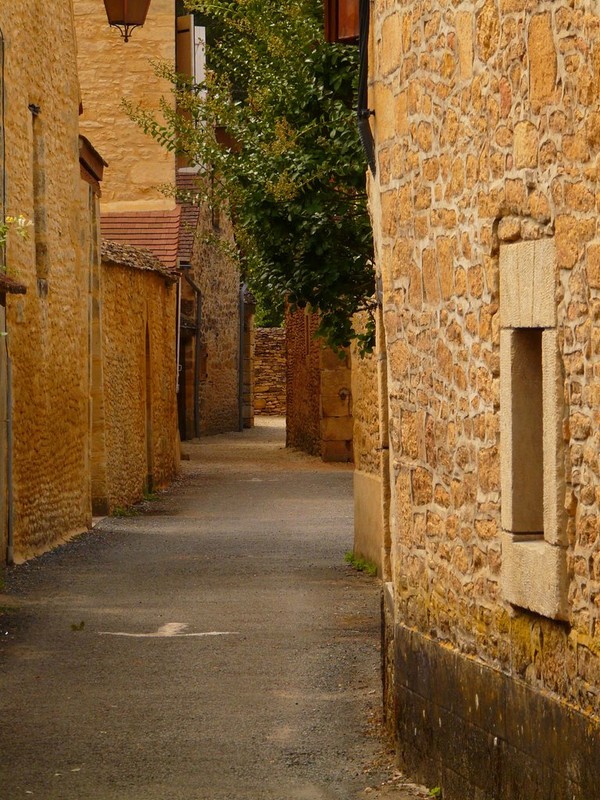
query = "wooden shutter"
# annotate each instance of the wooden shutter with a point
(341, 21)
(184, 61)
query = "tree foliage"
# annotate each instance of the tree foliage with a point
(294, 179)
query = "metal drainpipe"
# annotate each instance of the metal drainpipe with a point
(197, 364)
(9, 455)
(363, 112)
(241, 358)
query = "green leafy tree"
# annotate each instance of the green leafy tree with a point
(292, 171)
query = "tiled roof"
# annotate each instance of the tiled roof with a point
(156, 231)
(121, 254)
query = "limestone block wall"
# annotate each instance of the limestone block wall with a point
(47, 327)
(110, 71)
(367, 444)
(270, 372)
(365, 408)
(138, 310)
(486, 133)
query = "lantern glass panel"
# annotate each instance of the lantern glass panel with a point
(126, 12)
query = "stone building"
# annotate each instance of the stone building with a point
(486, 137)
(44, 443)
(319, 401)
(139, 209)
(53, 352)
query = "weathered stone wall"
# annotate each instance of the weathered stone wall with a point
(365, 408)
(47, 327)
(110, 71)
(138, 310)
(367, 439)
(319, 400)
(336, 405)
(486, 132)
(270, 372)
(217, 275)
(303, 383)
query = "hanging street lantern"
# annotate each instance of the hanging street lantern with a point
(126, 15)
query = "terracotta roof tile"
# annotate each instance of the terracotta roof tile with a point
(156, 231)
(127, 255)
(187, 182)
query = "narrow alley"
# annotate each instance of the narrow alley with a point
(214, 646)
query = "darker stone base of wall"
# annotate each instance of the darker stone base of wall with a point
(337, 451)
(100, 507)
(480, 734)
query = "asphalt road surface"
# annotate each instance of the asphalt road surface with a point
(212, 647)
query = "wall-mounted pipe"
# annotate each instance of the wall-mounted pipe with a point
(363, 112)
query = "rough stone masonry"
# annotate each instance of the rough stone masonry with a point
(485, 210)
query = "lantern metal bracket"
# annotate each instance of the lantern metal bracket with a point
(125, 30)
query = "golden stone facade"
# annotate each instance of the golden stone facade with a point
(143, 176)
(370, 453)
(136, 395)
(47, 327)
(111, 71)
(486, 133)
(53, 298)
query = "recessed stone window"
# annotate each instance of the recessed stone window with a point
(40, 217)
(534, 573)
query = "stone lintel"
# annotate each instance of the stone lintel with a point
(527, 283)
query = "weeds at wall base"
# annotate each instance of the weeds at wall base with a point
(119, 511)
(360, 564)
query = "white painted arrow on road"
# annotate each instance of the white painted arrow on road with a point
(168, 631)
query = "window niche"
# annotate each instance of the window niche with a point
(534, 573)
(40, 215)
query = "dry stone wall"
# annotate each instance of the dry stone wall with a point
(487, 133)
(270, 372)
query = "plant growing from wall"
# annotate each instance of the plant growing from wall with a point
(19, 225)
(292, 170)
